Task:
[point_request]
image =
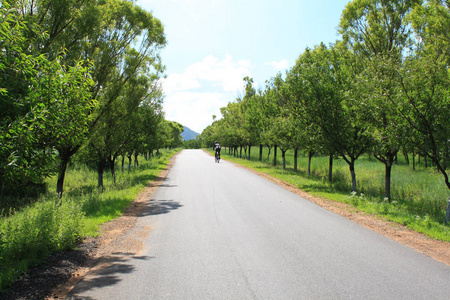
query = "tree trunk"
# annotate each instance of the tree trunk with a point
(101, 167)
(64, 154)
(353, 174)
(447, 217)
(136, 161)
(113, 170)
(260, 152)
(123, 163)
(61, 176)
(129, 162)
(283, 155)
(249, 150)
(405, 154)
(268, 153)
(275, 155)
(445, 158)
(240, 151)
(330, 169)
(414, 161)
(295, 159)
(310, 155)
(387, 181)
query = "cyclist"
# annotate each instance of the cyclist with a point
(216, 147)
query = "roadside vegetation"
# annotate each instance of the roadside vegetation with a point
(30, 233)
(418, 196)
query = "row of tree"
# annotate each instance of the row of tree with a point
(382, 89)
(77, 75)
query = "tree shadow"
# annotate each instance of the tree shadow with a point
(108, 272)
(321, 188)
(160, 207)
(146, 178)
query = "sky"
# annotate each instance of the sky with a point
(213, 44)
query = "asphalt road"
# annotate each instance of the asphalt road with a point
(220, 232)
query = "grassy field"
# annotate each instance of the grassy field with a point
(30, 234)
(419, 197)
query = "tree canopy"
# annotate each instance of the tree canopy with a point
(75, 75)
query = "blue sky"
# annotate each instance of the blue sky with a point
(213, 45)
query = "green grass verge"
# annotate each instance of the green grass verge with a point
(419, 197)
(50, 224)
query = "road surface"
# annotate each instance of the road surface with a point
(219, 231)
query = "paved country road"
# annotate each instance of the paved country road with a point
(219, 231)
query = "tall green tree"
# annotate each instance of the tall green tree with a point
(424, 81)
(306, 134)
(252, 116)
(117, 128)
(376, 32)
(318, 86)
(175, 131)
(129, 37)
(43, 105)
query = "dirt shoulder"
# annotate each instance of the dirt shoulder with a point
(55, 278)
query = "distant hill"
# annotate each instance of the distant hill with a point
(188, 134)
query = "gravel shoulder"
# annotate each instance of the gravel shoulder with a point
(61, 271)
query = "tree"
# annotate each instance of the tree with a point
(376, 32)
(306, 134)
(270, 111)
(424, 81)
(116, 130)
(43, 104)
(116, 56)
(175, 130)
(284, 131)
(318, 86)
(252, 116)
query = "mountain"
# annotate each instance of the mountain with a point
(188, 134)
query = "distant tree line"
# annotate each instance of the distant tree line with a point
(77, 77)
(383, 89)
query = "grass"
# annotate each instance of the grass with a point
(418, 197)
(49, 224)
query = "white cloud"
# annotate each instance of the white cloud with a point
(225, 73)
(280, 65)
(202, 89)
(179, 82)
(194, 110)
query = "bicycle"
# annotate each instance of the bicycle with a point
(217, 157)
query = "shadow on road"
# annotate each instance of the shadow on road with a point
(160, 207)
(108, 272)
